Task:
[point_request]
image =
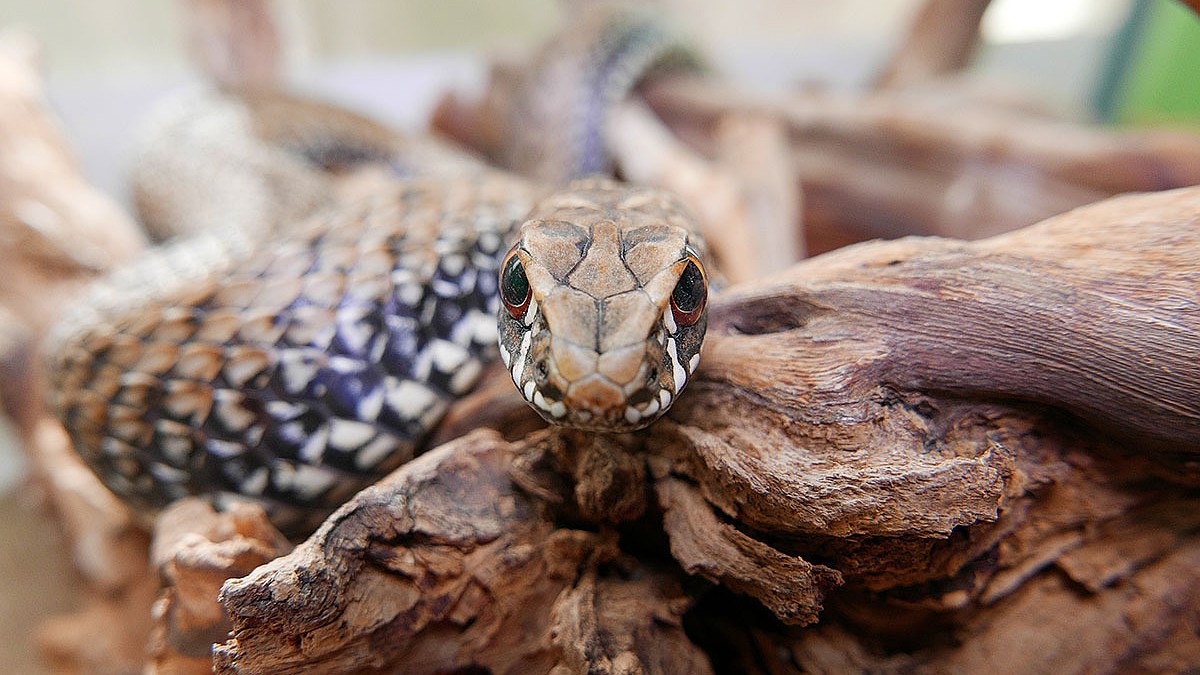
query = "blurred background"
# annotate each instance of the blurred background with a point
(1127, 62)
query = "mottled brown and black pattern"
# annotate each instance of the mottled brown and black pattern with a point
(307, 369)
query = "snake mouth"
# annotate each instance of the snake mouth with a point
(617, 391)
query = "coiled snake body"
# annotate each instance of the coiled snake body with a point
(297, 364)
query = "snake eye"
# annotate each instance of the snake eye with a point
(690, 295)
(514, 286)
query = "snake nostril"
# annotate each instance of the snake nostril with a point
(652, 375)
(541, 372)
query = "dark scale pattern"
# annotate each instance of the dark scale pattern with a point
(308, 370)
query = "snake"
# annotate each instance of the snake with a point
(334, 287)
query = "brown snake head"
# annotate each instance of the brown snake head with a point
(604, 305)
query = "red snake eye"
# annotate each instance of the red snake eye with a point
(514, 286)
(690, 294)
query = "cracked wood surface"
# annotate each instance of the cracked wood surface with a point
(897, 442)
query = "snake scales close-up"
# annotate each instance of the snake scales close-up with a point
(300, 339)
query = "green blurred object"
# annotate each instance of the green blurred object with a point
(1153, 76)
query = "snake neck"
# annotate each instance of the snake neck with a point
(558, 124)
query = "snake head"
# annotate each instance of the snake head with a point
(604, 305)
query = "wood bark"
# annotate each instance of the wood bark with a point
(933, 160)
(58, 232)
(941, 40)
(893, 458)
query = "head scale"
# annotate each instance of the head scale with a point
(604, 301)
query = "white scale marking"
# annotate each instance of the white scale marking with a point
(353, 331)
(677, 370)
(221, 448)
(253, 435)
(310, 481)
(128, 431)
(285, 410)
(401, 324)
(348, 435)
(282, 475)
(447, 356)
(408, 398)
(297, 369)
(669, 320)
(695, 361)
(427, 311)
(377, 349)
(408, 292)
(423, 363)
(444, 288)
(115, 448)
(433, 413)
(453, 264)
(292, 431)
(464, 378)
(323, 338)
(531, 312)
(313, 449)
(167, 474)
(489, 241)
(476, 327)
(374, 452)
(369, 405)
(256, 482)
(344, 365)
(518, 367)
(240, 371)
(230, 411)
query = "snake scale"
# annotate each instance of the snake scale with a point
(302, 339)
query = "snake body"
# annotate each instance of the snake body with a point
(292, 360)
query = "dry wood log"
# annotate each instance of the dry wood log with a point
(941, 39)
(58, 232)
(755, 151)
(932, 449)
(901, 162)
(195, 550)
(449, 564)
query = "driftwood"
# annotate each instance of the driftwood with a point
(952, 447)
(941, 40)
(898, 162)
(58, 232)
